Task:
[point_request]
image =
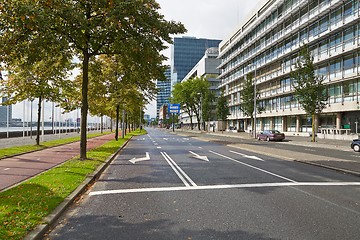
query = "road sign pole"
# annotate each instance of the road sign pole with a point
(173, 122)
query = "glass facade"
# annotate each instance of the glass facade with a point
(185, 53)
(269, 43)
(164, 91)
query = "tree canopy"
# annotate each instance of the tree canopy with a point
(309, 88)
(191, 94)
(135, 30)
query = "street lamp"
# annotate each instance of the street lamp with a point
(201, 110)
(251, 65)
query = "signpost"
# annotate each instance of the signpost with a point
(173, 108)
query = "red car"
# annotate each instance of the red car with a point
(271, 135)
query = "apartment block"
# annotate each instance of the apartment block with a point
(267, 45)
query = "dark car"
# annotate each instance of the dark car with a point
(355, 145)
(271, 135)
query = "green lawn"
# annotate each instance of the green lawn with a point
(5, 152)
(24, 207)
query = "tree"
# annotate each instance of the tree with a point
(42, 79)
(222, 108)
(247, 99)
(309, 88)
(191, 94)
(132, 29)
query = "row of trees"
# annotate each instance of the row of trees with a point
(196, 99)
(309, 90)
(116, 45)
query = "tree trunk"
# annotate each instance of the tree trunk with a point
(84, 107)
(38, 122)
(117, 122)
(313, 128)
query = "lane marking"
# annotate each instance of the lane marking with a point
(135, 160)
(234, 186)
(181, 174)
(247, 156)
(6, 169)
(195, 155)
(248, 165)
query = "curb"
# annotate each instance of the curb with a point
(357, 174)
(40, 230)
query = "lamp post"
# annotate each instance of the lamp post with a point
(201, 110)
(254, 102)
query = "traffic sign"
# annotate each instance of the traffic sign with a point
(174, 108)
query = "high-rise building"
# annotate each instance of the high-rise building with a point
(164, 91)
(207, 67)
(267, 46)
(185, 53)
(5, 111)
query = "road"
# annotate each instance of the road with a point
(178, 187)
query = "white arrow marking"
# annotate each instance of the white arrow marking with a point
(247, 156)
(204, 158)
(135, 160)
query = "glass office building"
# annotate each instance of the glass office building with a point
(185, 53)
(267, 45)
(5, 113)
(164, 91)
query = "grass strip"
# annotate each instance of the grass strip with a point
(24, 207)
(5, 152)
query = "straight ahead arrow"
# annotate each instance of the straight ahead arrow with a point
(247, 156)
(204, 158)
(135, 160)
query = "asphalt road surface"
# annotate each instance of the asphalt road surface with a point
(179, 187)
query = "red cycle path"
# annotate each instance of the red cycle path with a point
(14, 170)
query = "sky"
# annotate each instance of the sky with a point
(213, 19)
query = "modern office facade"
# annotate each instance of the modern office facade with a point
(185, 53)
(267, 45)
(164, 91)
(207, 67)
(5, 113)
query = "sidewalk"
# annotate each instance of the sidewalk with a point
(253, 145)
(16, 169)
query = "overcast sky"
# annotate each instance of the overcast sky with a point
(212, 19)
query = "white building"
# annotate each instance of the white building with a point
(268, 43)
(207, 67)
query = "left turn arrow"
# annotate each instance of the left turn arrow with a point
(135, 160)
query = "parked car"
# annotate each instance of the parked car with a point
(355, 145)
(271, 135)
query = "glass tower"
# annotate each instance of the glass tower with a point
(164, 88)
(186, 53)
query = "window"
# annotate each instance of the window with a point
(349, 62)
(323, 24)
(348, 8)
(349, 34)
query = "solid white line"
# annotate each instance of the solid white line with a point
(214, 187)
(248, 165)
(180, 170)
(175, 170)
